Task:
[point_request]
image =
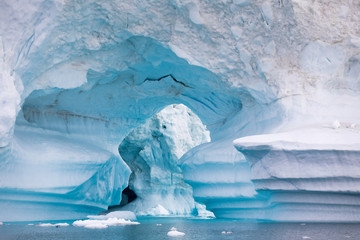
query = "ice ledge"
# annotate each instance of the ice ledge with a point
(345, 138)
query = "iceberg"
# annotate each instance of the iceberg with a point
(95, 223)
(245, 109)
(115, 218)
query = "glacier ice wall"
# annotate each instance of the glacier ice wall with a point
(76, 77)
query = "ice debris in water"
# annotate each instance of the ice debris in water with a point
(175, 233)
(158, 224)
(52, 225)
(306, 237)
(224, 232)
(118, 218)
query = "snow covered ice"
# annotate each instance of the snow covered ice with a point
(52, 225)
(175, 233)
(248, 109)
(118, 218)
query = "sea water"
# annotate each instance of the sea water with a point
(156, 229)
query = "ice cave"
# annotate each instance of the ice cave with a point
(230, 109)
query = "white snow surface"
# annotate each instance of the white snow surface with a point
(116, 218)
(128, 215)
(52, 225)
(341, 137)
(95, 223)
(175, 233)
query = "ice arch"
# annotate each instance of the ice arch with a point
(68, 137)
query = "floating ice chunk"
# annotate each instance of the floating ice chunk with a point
(117, 214)
(306, 237)
(228, 232)
(175, 233)
(223, 232)
(95, 223)
(52, 225)
(158, 224)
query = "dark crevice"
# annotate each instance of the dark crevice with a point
(127, 197)
(169, 75)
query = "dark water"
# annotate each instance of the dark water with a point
(194, 229)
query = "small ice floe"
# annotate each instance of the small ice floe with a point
(306, 237)
(158, 224)
(52, 225)
(225, 232)
(175, 233)
(103, 223)
(128, 215)
(228, 232)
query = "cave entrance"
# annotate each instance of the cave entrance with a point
(152, 152)
(127, 196)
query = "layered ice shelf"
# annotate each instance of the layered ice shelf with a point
(309, 173)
